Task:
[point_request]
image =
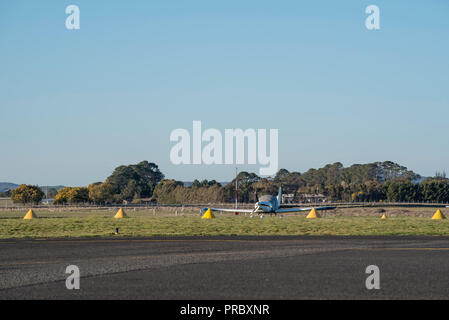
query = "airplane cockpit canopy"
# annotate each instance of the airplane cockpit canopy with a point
(267, 198)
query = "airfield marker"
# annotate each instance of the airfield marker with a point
(120, 214)
(312, 214)
(438, 215)
(208, 215)
(30, 215)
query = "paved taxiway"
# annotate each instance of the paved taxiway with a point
(226, 268)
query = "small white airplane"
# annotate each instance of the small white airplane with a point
(269, 204)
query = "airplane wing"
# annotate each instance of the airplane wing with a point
(302, 209)
(228, 210)
(288, 205)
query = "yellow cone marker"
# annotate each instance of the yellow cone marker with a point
(384, 216)
(312, 214)
(438, 215)
(30, 215)
(208, 215)
(120, 214)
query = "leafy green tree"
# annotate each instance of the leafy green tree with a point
(359, 182)
(213, 183)
(72, 195)
(62, 196)
(164, 191)
(172, 191)
(335, 191)
(101, 192)
(79, 195)
(133, 181)
(51, 193)
(402, 191)
(131, 191)
(435, 190)
(27, 194)
(245, 180)
(281, 174)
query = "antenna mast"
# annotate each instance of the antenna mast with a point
(236, 188)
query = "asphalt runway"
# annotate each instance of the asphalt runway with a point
(211, 268)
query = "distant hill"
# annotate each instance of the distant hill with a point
(43, 188)
(5, 186)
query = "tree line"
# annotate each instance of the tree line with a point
(378, 181)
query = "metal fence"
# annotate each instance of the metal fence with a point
(8, 205)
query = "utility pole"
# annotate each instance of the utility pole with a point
(236, 188)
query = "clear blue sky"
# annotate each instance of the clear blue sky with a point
(76, 104)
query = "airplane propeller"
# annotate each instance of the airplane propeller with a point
(256, 207)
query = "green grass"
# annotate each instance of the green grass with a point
(144, 223)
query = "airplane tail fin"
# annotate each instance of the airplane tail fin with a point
(279, 198)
